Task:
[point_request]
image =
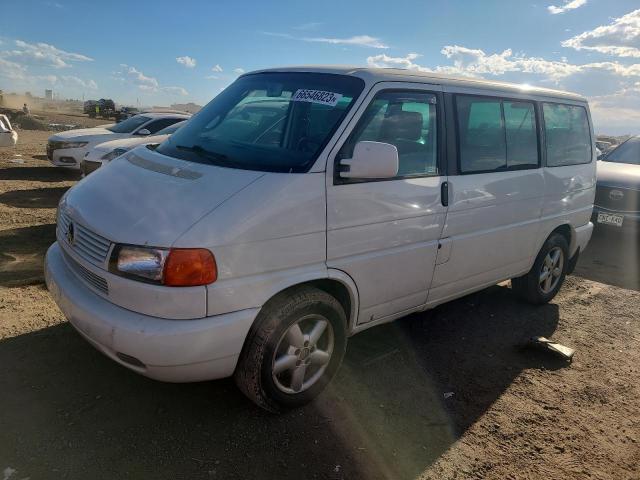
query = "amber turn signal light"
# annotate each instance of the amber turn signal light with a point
(189, 267)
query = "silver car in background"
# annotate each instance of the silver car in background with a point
(617, 202)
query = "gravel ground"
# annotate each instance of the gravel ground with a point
(442, 395)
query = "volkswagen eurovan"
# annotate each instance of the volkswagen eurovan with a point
(304, 205)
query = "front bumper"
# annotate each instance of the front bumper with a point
(630, 224)
(89, 166)
(167, 350)
(66, 157)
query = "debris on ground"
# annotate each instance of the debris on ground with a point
(60, 127)
(26, 122)
(543, 343)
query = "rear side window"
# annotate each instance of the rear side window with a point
(496, 135)
(406, 119)
(567, 135)
(521, 134)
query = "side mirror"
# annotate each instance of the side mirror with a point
(372, 160)
(143, 132)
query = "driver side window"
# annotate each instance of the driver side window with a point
(158, 125)
(405, 119)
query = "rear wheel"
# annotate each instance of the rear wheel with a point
(545, 278)
(293, 350)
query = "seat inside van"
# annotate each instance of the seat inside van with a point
(404, 130)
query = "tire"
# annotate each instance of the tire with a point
(536, 288)
(274, 336)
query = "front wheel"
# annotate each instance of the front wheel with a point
(545, 278)
(294, 349)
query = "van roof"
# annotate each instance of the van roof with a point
(406, 75)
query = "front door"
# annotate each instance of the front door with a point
(384, 233)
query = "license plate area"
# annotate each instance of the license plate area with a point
(610, 219)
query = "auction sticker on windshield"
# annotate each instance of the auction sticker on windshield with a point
(317, 96)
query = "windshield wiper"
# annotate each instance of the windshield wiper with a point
(203, 152)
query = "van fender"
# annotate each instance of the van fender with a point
(352, 288)
(551, 225)
(239, 294)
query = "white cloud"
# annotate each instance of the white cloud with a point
(175, 91)
(187, 61)
(239, 71)
(43, 54)
(212, 77)
(77, 82)
(138, 78)
(613, 88)
(308, 26)
(474, 62)
(11, 70)
(568, 5)
(216, 68)
(145, 83)
(620, 38)
(359, 40)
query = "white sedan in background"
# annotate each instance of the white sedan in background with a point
(107, 151)
(67, 149)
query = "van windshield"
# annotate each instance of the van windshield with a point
(276, 122)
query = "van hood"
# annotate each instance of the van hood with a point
(145, 198)
(622, 175)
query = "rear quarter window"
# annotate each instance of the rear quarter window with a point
(567, 135)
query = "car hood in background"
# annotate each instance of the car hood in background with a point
(130, 142)
(144, 198)
(619, 175)
(81, 132)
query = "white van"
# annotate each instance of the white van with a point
(304, 205)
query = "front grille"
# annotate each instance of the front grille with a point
(87, 166)
(95, 281)
(618, 199)
(89, 245)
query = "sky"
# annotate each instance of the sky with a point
(163, 52)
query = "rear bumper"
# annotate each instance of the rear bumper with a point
(583, 235)
(167, 350)
(630, 224)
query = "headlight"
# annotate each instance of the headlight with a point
(62, 145)
(113, 154)
(177, 267)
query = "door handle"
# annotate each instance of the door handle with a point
(444, 194)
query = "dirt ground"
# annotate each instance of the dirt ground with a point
(443, 395)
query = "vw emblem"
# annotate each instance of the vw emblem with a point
(616, 195)
(70, 234)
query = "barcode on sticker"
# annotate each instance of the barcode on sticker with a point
(317, 96)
